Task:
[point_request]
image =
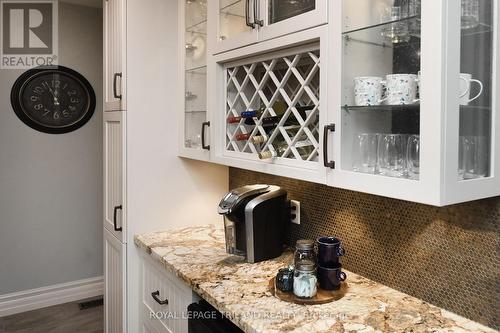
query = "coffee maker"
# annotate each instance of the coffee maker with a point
(255, 221)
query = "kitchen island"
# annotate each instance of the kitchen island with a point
(241, 291)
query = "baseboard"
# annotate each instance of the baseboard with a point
(51, 295)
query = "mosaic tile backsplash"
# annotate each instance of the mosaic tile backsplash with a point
(446, 256)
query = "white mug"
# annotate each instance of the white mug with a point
(402, 89)
(466, 81)
(368, 90)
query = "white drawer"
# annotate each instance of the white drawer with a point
(166, 288)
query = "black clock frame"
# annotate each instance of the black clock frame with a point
(24, 79)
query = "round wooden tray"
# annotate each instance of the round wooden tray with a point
(322, 297)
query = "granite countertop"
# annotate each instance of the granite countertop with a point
(240, 290)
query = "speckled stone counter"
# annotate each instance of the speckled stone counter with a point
(240, 290)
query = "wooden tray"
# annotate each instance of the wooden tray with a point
(322, 297)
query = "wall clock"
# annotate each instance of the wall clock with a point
(53, 99)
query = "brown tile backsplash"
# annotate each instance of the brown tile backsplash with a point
(446, 256)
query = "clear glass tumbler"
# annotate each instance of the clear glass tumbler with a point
(365, 151)
(473, 157)
(398, 31)
(413, 157)
(392, 154)
(470, 14)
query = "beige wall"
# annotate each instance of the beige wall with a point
(50, 185)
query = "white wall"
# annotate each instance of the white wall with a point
(50, 185)
(163, 190)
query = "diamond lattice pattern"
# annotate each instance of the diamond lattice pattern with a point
(284, 88)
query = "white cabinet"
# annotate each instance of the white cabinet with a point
(114, 47)
(114, 171)
(194, 123)
(270, 105)
(164, 298)
(238, 23)
(439, 146)
(114, 284)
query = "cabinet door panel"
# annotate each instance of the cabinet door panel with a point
(233, 23)
(114, 55)
(280, 18)
(114, 217)
(114, 284)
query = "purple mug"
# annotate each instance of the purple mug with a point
(329, 251)
(329, 278)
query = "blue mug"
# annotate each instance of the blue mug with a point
(329, 278)
(329, 251)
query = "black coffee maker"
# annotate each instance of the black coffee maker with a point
(255, 221)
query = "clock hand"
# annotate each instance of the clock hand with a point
(56, 100)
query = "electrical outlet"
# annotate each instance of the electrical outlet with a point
(295, 211)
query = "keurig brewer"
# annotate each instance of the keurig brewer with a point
(255, 221)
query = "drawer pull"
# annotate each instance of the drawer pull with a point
(159, 301)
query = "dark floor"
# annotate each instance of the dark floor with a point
(63, 318)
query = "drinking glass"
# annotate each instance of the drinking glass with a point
(473, 157)
(470, 14)
(365, 153)
(392, 154)
(413, 157)
(397, 32)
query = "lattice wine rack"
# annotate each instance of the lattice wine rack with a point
(272, 106)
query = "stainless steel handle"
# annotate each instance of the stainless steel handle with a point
(256, 16)
(247, 15)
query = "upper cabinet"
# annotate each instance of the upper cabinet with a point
(195, 133)
(412, 98)
(239, 23)
(114, 55)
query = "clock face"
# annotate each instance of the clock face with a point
(53, 99)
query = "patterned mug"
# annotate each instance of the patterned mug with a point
(401, 89)
(368, 90)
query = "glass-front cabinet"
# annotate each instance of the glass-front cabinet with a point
(412, 97)
(243, 22)
(193, 75)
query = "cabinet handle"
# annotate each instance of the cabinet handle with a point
(203, 126)
(247, 15)
(326, 130)
(115, 210)
(159, 301)
(255, 14)
(115, 92)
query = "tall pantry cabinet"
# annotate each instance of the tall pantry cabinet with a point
(146, 186)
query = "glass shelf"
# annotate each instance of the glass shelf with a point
(197, 70)
(410, 18)
(198, 27)
(234, 8)
(195, 111)
(382, 108)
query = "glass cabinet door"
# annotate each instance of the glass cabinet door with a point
(195, 72)
(281, 17)
(235, 23)
(475, 89)
(279, 10)
(380, 112)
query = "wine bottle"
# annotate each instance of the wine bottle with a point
(242, 136)
(304, 148)
(257, 139)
